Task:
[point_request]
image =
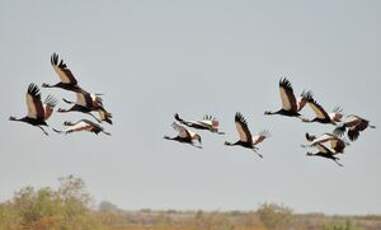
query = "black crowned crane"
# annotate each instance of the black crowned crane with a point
(355, 124)
(207, 123)
(328, 146)
(38, 112)
(86, 103)
(290, 106)
(82, 125)
(321, 115)
(67, 79)
(245, 138)
(185, 135)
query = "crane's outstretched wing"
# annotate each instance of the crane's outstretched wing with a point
(261, 136)
(61, 69)
(183, 132)
(287, 95)
(49, 104)
(33, 102)
(242, 128)
(318, 109)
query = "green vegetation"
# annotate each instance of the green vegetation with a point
(347, 225)
(70, 207)
(45, 208)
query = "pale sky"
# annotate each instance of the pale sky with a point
(154, 58)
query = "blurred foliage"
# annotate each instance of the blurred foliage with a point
(106, 206)
(66, 208)
(70, 207)
(274, 216)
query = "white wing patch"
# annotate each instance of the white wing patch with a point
(241, 132)
(97, 101)
(324, 149)
(286, 104)
(206, 123)
(102, 114)
(352, 120)
(183, 133)
(260, 137)
(334, 143)
(318, 112)
(335, 116)
(32, 111)
(80, 126)
(192, 134)
(327, 141)
(322, 139)
(81, 100)
(61, 74)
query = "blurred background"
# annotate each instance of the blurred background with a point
(152, 59)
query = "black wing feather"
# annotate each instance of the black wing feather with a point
(63, 67)
(34, 91)
(242, 121)
(307, 94)
(287, 86)
(353, 134)
(311, 99)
